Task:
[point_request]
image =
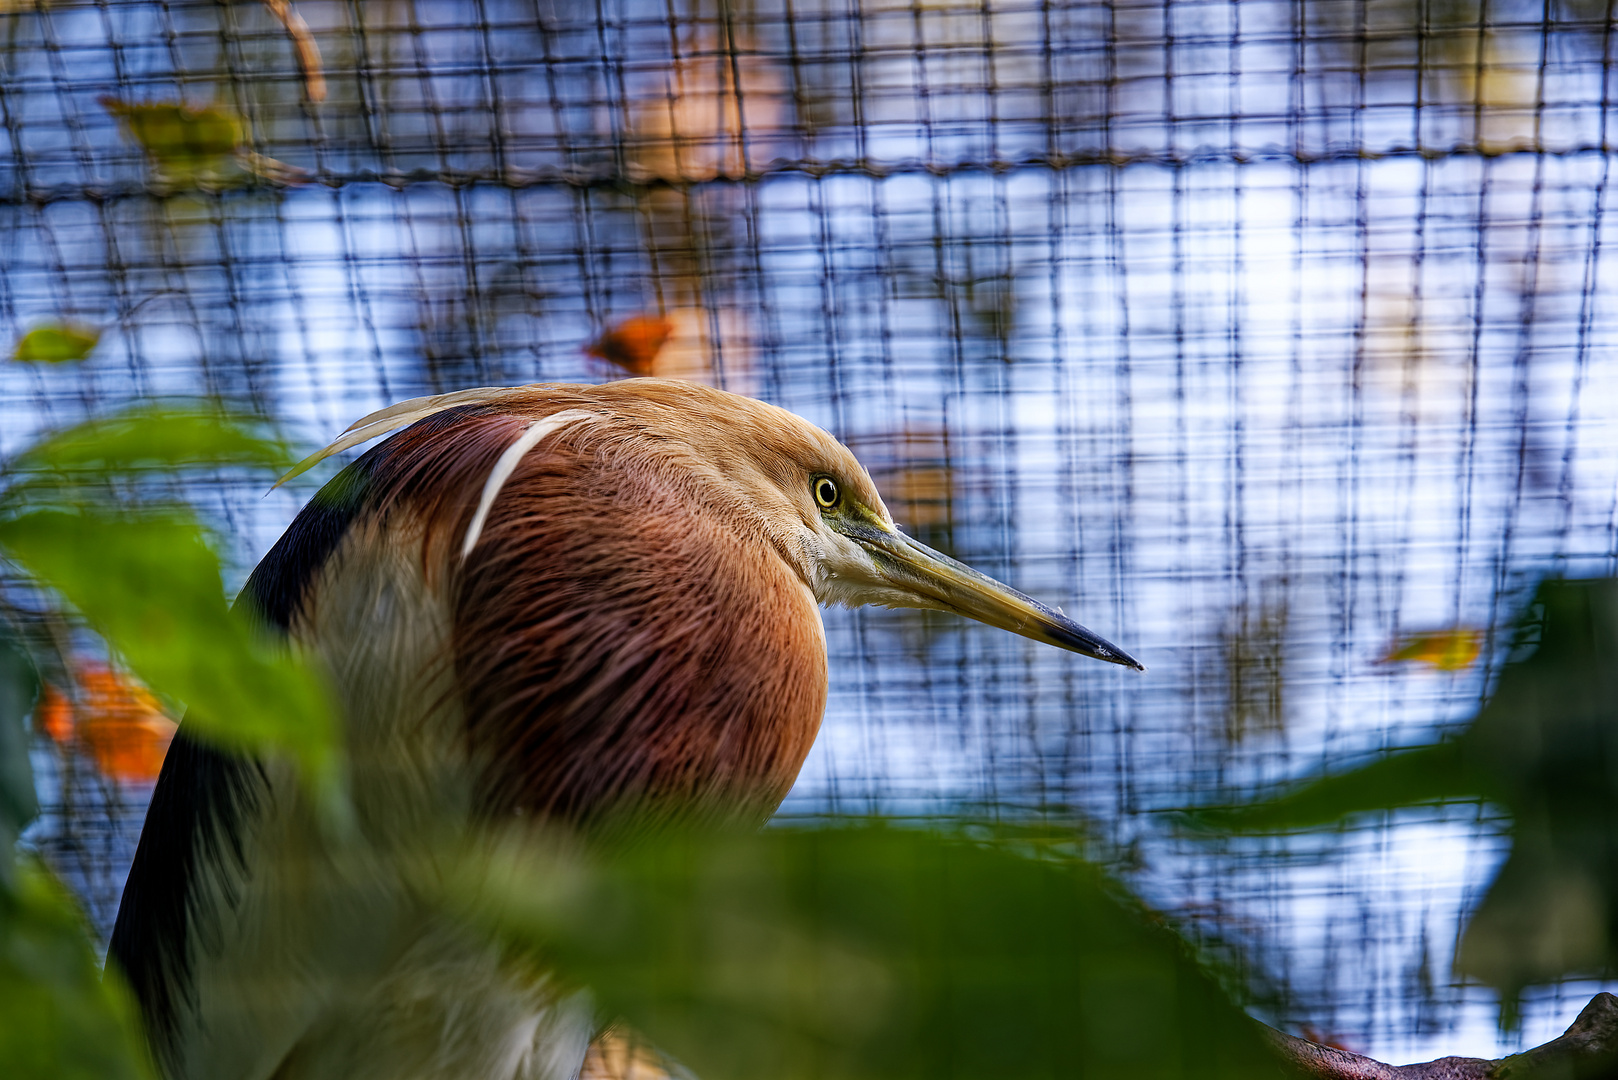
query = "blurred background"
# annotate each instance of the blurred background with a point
(1269, 339)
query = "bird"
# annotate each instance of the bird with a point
(534, 604)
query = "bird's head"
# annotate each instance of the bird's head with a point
(806, 491)
(766, 473)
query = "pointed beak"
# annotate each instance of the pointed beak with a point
(938, 581)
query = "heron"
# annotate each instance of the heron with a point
(539, 603)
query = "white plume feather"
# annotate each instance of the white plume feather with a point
(508, 464)
(399, 415)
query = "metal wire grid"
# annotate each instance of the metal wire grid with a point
(1253, 333)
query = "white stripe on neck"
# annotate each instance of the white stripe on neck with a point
(508, 464)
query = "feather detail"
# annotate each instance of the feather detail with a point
(508, 464)
(398, 415)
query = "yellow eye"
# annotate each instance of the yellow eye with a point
(826, 493)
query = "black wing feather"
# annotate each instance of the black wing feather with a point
(205, 796)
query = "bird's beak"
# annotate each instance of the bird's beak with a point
(939, 581)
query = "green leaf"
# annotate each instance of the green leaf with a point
(56, 343)
(156, 437)
(1548, 743)
(59, 1020)
(150, 585)
(870, 951)
(187, 144)
(1433, 773)
(1545, 747)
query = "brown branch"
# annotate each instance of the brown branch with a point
(1588, 1049)
(303, 43)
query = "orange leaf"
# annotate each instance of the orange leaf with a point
(117, 720)
(1446, 650)
(54, 715)
(633, 344)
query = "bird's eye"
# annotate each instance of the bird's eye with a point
(826, 493)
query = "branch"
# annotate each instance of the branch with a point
(1588, 1049)
(303, 44)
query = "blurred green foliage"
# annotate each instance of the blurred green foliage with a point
(80, 515)
(146, 575)
(56, 343)
(861, 949)
(187, 145)
(1545, 748)
(149, 583)
(58, 1018)
(151, 437)
(854, 949)
(61, 1019)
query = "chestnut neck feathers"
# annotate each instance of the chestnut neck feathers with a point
(637, 618)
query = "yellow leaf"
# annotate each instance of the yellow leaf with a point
(1446, 650)
(186, 144)
(56, 343)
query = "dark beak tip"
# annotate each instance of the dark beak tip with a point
(1107, 654)
(1083, 642)
(1125, 660)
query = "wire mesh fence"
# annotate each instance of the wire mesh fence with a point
(1260, 336)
